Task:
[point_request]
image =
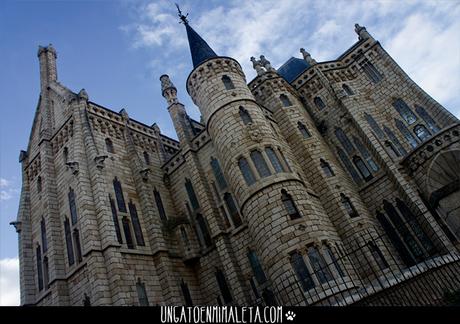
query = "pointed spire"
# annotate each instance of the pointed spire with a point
(199, 49)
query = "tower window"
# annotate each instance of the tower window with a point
(395, 140)
(159, 203)
(422, 132)
(115, 220)
(377, 255)
(344, 140)
(276, 163)
(303, 130)
(141, 293)
(39, 184)
(319, 103)
(223, 286)
(184, 236)
(203, 227)
(334, 260)
(38, 255)
(374, 126)
(301, 270)
(228, 83)
(191, 194)
(72, 206)
(218, 174)
(348, 205)
(405, 112)
(350, 168)
(146, 158)
(256, 267)
(68, 241)
(127, 231)
(76, 239)
(233, 210)
(109, 145)
(372, 73)
(406, 133)
(347, 90)
(119, 195)
(136, 224)
(326, 168)
(427, 118)
(285, 100)
(46, 272)
(246, 171)
(65, 155)
(43, 234)
(260, 164)
(319, 265)
(244, 115)
(362, 168)
(286, 164)
(289, 205)
(365, 153)
(393, 150)
(186, 294)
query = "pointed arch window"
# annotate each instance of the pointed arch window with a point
(422, 132)
(326, 168)
(256, 267)
(374, 126)
(76, 240)
(119, 195)
(244, 115)
(303, 130)
(228, 83)
(232, 209)
(203, 227)
(127, 231)
(43, 235)
(344, 140)
(365, 153)
(146, 158)
(334, 260)
(347, 89)
(260, 164)
(402, 151)
(301, 270)
(109, 145)
(38, 255)
(372, 73)
(46, 272)
(406, 113)
(218, 174)
(406, 133)
(68, 241)
(348, 165)
(319, 103)
(377, 255)
(289, 205)
(319, 265)
(427, 118)
(285, 100)
(136, 224)
(191, 194)
(72, 206)
(39, 184)
(223, 286)
(362, 168)
(348, 205)
(159, 203)
(115, 220)
(246, 171)
(142, 293)
(274, 160)
(186, 293)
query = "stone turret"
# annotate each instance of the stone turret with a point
(48, 71)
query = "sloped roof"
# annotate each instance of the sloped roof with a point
(292, 68)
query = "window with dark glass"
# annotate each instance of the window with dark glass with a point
(38, 252)
(427, 118)
(319, 265)
(136, 224)
(68, 241)
(186, 294)
(76, 240)
(256, 267)
(218, 174)
(228, 83)
(319, 103)
(232, 209)
(365, 153)
(127, 231)
(146, 158)
(204, 229)
(184, 236)
(362, 168)
(73, 206)
(395, 141)
(406, 113)
(347, 164)
(109, 145)
(119, 195)
(344, 140)
(142, 293)
(289, 205)
(244, 115)
(422, 132)
(65, 155)
(115, 220)
(301, 270)
(377, 255)
(334, 260)
(284, 160)
(303, 130)
(260, 164)
(246, 171)
(191, 194)
(223, 286)
(254, 288)
(39, 184)
(46, 272)
(285, 100)
(326, 168)
(348, 205)
(372, 73)
(392, 149)
(43, 235)
(347, 90)
(159, 203)
(374, 126)
(406, 133)
(276, 163)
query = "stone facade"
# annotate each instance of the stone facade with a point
(282, 176)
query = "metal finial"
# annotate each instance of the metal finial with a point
(181, 16)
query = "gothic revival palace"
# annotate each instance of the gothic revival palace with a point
(317, 183)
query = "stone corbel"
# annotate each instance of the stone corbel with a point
(73, 167)
(17, 225)
(145, 174)
(99, 160)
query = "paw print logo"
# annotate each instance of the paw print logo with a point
(290, 315)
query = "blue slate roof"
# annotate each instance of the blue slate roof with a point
(292, 68)
(199, 49)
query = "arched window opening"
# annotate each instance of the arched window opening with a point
(422, 132)
(191, 194)
(257, 269)
(260, 164)
(395, 141)
(46, 272)
(344, 140)
(246, 171)
(68, 241)
(146, 158)
(141, 293)
(406, 113)
(289, 205)
(76, 241)
(136, 224)
(285, 100)
(115, 220)
(301, 270)
(334, 260)
(65, 154)
(362, 168)
(109, 145)
(223, 286)
(127, 231)
(274, 160)
(232, 209)
(303, 130)
(406, 133)
(374, 126)
(348, 205)
(218, 174)
(319, 265)
(203, 227)
(186, 294)
(427, 118)
(347, 90)
(347, 164)
(365, 153)
(377, 255)
(119, 195)
(244, 115)
(72, 206)
(38, 255)
(326, 168)
(228, 83)
(43, 235)
(159, 203)
(392, 149)
(319, 103)
(372, 73)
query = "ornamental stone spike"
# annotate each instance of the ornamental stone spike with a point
(257, 66)
(307, 57)
(362, 32)
(266, 63)
(168, 90)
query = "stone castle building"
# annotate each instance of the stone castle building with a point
(305, 186)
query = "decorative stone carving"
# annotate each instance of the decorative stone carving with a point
(257, 65)
(254, 133)
(17, 225)
(266, 64)
(83, 95)
(307, 57)
(73, 166)
(145, 174)
(99, 160)
(362, 32)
